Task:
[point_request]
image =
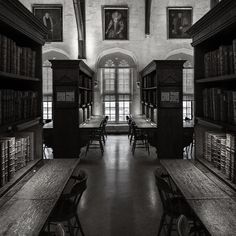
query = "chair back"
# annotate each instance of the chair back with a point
(60, 230)
(183, 226)
(166, 193)
(77, 189)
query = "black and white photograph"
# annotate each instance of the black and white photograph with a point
(125, 126)
(115, 23)
(179, 21)
(51, 16)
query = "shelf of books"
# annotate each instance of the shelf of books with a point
(21, 40)
(72, 94)
(161, 101)
(214, 41)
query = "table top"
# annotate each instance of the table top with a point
(214, 207)
(218, 215)
(26, 211)
(94, 122)
(143, 123)
(192, 182)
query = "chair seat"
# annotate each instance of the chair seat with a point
(63, 211)
(180, 207)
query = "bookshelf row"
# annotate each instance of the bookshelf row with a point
(17, 105)
(149, 81)
(221, 61)
(16, 150)
(150, 112)
(220, 151)
(219, 105)
(149, 97)
(85, 82)
(16, 59)
(85, 97)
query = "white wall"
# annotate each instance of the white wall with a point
(69, 46)
(142, 49)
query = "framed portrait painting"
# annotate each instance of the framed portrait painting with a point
(51, 16)
(115, 22)
(179, 21)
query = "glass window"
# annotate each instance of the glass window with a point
(47, 107)
(117, 91)
(188, 91)
(187, 109)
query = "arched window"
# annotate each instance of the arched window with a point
(116, 89)
(47, 81)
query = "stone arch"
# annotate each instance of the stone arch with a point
(117, 53)
(54, 54)
(181, 54)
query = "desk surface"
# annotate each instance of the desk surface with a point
(213, 206)
(26, 212)
(143, 123)
(94, 122)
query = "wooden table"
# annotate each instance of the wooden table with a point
(25, 209)
(93, 123)
(143, 123)
(213, 206)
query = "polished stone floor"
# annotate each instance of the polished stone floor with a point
(121, 198)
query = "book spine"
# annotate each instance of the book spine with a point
(234, 55)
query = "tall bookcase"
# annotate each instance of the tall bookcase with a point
(214, 41)
(21, 39)
(161, 99)
(73, 101)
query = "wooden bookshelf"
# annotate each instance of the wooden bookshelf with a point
(222, 78)
(21, 39)
(73, 101)
(161, 101)
(214, 41)
(10, 76)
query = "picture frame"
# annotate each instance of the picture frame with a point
(115, 22)
(51, 16)
(179, 20)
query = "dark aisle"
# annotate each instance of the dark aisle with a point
(121, 198)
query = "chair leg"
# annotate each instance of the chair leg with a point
(80, 227)
(161, 224)
(87, 148)
(170, 227)
(134, 146)
(71, 230)
(101, 146)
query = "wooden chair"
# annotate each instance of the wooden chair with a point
(185, 229)
(188, 137)
(183, 226)
(96, 140)
(173, 206)
(60, 230)
(140, 140)
(67, 206)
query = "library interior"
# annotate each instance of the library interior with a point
(118, 118)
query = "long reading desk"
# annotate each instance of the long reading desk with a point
(26, 206)
(214, 206)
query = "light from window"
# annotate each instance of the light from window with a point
(109, 80)
(123, 80)
(187, 109)
(47, 107)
